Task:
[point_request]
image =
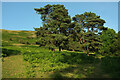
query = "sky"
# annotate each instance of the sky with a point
(22, 16)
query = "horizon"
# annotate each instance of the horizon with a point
(21, 15)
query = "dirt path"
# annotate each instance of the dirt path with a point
(13, 67)
(18, 44)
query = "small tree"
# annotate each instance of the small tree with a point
(109, 39)
(118, 44)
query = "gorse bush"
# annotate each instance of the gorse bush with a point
(6, 43)
(111, 65)
(8, 52)
(50, 61)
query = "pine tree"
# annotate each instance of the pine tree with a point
(55, 21)
(79, 28)
(92, 38)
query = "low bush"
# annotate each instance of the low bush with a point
(8, 52)
(111, 65)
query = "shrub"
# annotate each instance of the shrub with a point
(11, 39)
(6, 43)
(111, 65)
(8, 52)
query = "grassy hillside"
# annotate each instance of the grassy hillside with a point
(18, 37)
(28, 60)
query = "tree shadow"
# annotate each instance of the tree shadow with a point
(9, 52)
(80, 65)
(111, 66)
(78, 58)
(57, 76)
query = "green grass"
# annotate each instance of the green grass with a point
(28, 61)
(18, 37)
(13, 67)
(44, 62)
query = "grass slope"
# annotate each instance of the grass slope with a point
(13, 66)
(17, 37)
(27, 61)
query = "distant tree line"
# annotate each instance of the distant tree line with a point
(83, 32)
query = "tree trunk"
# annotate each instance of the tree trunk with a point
(59, 48)
(47, 19)
(80, 40)
(83, 40)
(91, 29)
(83, 51)
(87, 51)
(83, 37)
(57, 25)
(49, 16)
(88, 29)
